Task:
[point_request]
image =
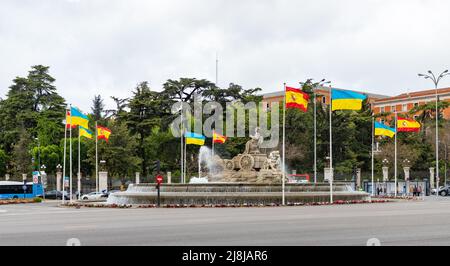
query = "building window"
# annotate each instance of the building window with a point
(381, 109)
(416, 104)
(393, 109)
(324, 99)
(405, 108)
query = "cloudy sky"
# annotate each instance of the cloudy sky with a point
(107, 46)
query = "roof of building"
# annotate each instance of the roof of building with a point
(416, 94)
(370, 95)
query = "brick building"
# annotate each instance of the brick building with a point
(401, 104)
(323, 95)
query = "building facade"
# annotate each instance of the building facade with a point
(401, 104)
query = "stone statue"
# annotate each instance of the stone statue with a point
(252, 146)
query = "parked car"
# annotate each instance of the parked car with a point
(110, 192)
(54, 194)
(93, 196)
(443, 191)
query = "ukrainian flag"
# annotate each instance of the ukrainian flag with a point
(383, 130)
(346, 100)
(84, 132)
(194, 139)
(78, 118)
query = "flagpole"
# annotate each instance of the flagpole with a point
(79, 164)
(64, 162)
(373, 143)
(331, 147)
(182, 146)
(70, 155)
(96, 156)
(283, 201)
(184, 163)
(395, 163)
(214, 131)
(315, 136)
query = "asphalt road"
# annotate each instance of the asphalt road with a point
(401, 223)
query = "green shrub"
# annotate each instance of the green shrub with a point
(37, 200)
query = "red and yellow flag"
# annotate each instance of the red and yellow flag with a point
(407, 125)
(103, 133)
(217, 138)
(296, 98)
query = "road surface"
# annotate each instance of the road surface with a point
(400, 223)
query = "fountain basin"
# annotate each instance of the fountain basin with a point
(233, 194)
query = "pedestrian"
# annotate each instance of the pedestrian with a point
(419, 191)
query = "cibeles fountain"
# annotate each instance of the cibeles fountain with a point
(250, 178)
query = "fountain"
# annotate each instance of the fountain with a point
(250, 178)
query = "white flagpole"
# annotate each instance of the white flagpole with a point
(70, 155)
(395, 163)
(184, 163)
(373, 143)
(64, 162)
(315, 136)
(214, 131)
(182, 146)
(283, 201)
(79, 164)
(96, 156)
(331, 148)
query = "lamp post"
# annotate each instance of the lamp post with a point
(317, 85)
(43, 178)
(435, 79)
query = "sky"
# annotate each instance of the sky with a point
(107, 47)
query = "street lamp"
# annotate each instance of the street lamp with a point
(317, 85)
(436, 80)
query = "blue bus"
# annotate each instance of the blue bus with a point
(15, 190)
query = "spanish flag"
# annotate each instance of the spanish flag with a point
(103, 133)
(68, 119)
(407, 125)
(346, 100)
(217, 138)
(84, 132)
(77, 118)
(194, 139)
(383, 130)
(295, 98)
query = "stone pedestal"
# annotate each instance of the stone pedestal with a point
(138, 178)
(432, 177)
(407, 170)
(58, 181)
(103, 181)
(7, 177)
(169, 177)
(385, 173)
(328, 174)
(358, 178)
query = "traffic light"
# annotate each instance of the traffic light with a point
(157, 166)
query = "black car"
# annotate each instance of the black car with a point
(53, 194)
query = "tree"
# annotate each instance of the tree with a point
(21, 154)
(145, 113)
(97, 108)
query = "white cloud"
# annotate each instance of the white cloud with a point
(107, 47)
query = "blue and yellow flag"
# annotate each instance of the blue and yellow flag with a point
(78, 118)
(194, 139)
(84, 132)
(383, 130)
(346, 100)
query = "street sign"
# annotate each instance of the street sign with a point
(159, 179)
